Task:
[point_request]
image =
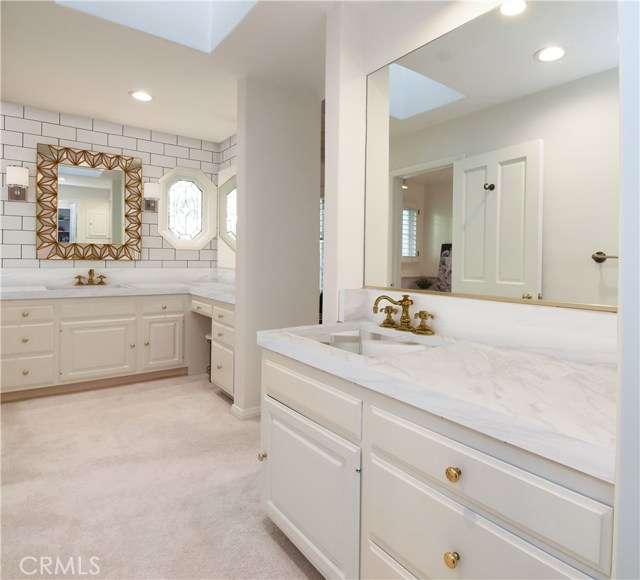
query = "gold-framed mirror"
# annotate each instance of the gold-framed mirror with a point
(88, 205)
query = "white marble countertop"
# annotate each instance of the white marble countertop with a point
(213, 291)
(559, 409)
(43, 284)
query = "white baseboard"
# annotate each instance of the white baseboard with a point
(242, 414)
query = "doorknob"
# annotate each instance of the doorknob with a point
(489, 186)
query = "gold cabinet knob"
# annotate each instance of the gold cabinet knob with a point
(220, 315)
(453, 474)
(132, 345)
(451, 559)
(164, 307)
(146, 343)
(219, 367)
(198, 307)
(221, 334)
(25, 313)
(25, 339)
(25, 372)
(262, 456)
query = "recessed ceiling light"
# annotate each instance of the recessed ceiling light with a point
(549, 54)
(141, 96)
(513, 7)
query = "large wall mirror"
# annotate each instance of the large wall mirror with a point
(493, 173)
(88, 205)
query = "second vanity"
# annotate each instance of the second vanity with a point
(58, 336)
(431, 457)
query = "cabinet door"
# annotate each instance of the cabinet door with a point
(94, 349)
(162, 342)
(222, 366)
(311, 489)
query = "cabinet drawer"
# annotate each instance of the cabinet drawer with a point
(322, 403)
(222, 366)
(27, 338)
(162, 306)
(417, 526)
(573, 523)
(225, 334)
(202, 308)
(27, 371)
(97, 309)
(224, 316)
(378, 565)
(26, 313)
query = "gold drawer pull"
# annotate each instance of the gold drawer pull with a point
(220, 315)
(25, 314)
(164, 307)
(198, 307)
(453, 474)
(451, 559)
(25, 372)
(262, 456)
(132, 345)
(146, 343)
(25, 339)
(221, 334)
(219, 367)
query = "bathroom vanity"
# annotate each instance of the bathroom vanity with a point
(56, 336)
(391, 455)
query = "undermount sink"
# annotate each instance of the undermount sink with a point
(63, 286)
(367, 339)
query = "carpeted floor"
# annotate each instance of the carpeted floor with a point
(157, 480)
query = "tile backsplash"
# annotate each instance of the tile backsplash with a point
(22, 128)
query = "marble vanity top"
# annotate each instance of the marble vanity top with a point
(214, 286)
(559, 409)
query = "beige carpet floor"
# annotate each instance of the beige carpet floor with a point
(157, 480)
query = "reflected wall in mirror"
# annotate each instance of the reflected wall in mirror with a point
(88, 205)
(479, 154)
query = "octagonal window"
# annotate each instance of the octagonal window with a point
(185, 210)
(187, 214)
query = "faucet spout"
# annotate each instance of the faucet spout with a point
(405, 318)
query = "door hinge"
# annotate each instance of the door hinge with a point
(358, 470)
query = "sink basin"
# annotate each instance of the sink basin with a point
(63, 286)
(367, 339)
(147, 285)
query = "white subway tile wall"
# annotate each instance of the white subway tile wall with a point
(22, 128)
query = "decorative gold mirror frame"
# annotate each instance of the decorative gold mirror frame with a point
(47, 245)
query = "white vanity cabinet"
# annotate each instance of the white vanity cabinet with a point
(497, 520)
(28, 346)
(222, 347)
(311, 477)
(64, 341)
(438, 500)
(98, 339)
(162, 334)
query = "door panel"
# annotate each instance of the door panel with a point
(497, 226)
(162, 341)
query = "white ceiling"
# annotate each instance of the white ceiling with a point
(63, 60)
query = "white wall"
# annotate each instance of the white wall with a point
(578, 122)
(278, 223)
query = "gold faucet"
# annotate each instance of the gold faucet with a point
(91, 281)
(405, 318)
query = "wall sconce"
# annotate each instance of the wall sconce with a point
(17, 183)
(151, 195)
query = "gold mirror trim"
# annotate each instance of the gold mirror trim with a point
(552, 303)
(47, 245)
